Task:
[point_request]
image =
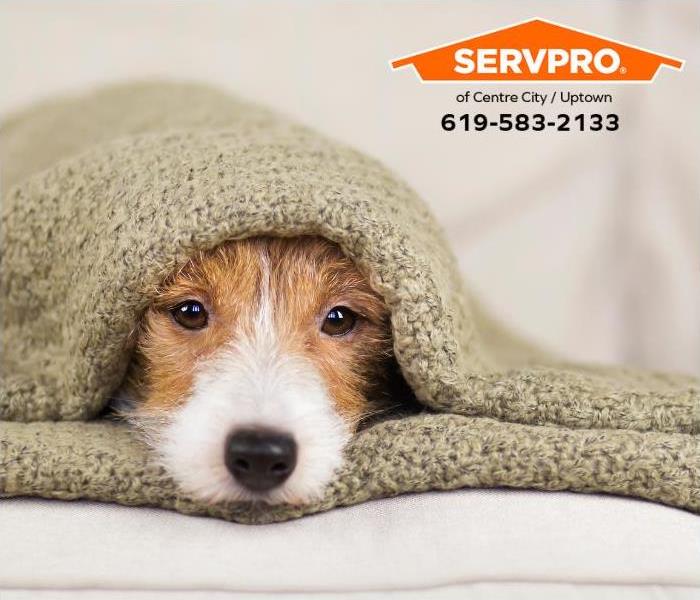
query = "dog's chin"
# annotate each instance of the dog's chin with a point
(291, 399)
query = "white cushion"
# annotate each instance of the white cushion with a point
(444, 541)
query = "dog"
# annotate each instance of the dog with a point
(254, 365)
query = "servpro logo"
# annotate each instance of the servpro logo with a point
(537, 50)
(549, 60)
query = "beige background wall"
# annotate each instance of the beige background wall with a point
(587, 243)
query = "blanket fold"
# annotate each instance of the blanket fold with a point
(105, 195)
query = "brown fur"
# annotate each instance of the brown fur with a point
(308, 277)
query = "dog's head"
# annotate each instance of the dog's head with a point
(255, 363)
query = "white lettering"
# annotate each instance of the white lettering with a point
(489, 61)
(614, 60)
(465, 64)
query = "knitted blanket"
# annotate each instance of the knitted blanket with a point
(105, 195)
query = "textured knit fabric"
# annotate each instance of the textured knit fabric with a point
(104, 196)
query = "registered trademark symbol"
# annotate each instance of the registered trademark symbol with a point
(623, 70)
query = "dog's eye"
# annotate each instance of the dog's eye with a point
(339, 321)
(190, 314)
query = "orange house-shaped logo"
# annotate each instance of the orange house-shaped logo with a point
(537, 50)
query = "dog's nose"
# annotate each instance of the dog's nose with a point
(260, 460)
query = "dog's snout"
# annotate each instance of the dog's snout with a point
(259, 459)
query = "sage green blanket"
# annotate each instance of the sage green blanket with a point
(104, 195)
